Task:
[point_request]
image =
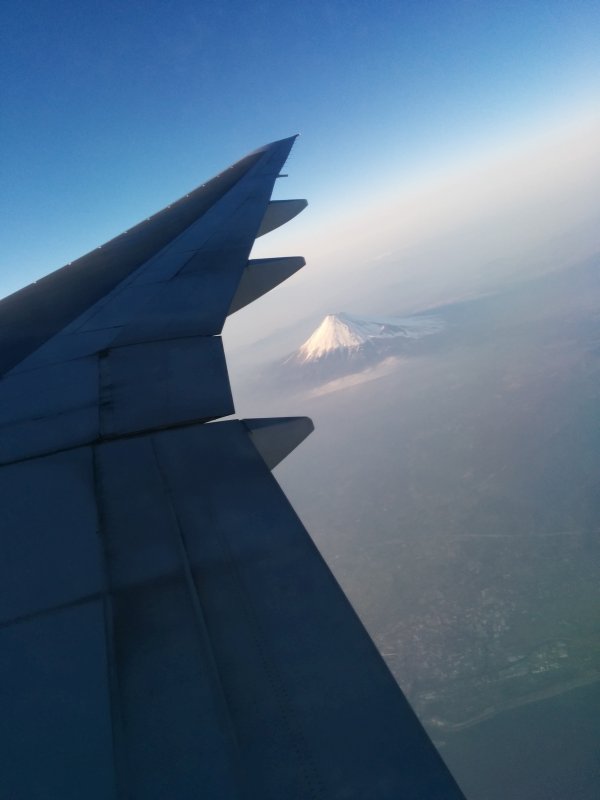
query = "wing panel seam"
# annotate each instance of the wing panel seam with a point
(200, 618)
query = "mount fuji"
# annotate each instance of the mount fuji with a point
(345, 343)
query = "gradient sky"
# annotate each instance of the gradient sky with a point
(111, 110)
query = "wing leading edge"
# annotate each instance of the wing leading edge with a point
(168, 626)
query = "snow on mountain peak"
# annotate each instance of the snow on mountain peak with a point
(337, 331)
(344, 332)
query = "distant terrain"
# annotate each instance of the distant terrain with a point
(455, 493)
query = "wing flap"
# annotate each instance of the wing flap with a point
(115, 392)
(177, 381)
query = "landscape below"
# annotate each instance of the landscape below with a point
(454, 493)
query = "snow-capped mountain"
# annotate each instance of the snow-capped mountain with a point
(361, 348)
(344, 337)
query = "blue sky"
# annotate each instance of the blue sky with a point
(111, 110)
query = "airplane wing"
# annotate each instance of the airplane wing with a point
(168, 628)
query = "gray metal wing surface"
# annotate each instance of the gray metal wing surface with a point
(167, 627)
